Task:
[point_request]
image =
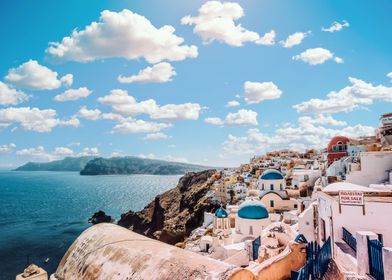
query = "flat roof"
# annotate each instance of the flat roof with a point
(345, 186)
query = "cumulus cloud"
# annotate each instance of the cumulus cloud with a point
(11, 96)
(73, 94)
(93, 151)
(124, 34)
(140, 126)
(159, 73)
(7, 147)
(156, 136)
(216, 21)
(93, 114)
(32, 75)
(232, 103)
(294, 39)
(240, 118)
(336, 26)
(126, 105)
(268, 39)
(63, 151)
(33, 119)
(346, 99)
(166, 158)
(321, 119)
(389, 75)
(255, 92)
(317, 56)
(39, 153)
(305, 135)
(214, 121)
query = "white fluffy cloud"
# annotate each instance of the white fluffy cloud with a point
(93, 114)
(255, 92)
(317, 56)
(41, 154)
(33, 119)
(166, 158)
(268, 39)
(93, 151)
(32, 75)
(124, 104)
(11, 96)
(347, 99)
(37, 153)
(306, 134)
(336, 26)
(294, 39)
(216, 21)
(139, 126)
(232, 103)
(214, 121)
(7, 147)
(321, 119)
(389, 75)
(159, 73)
(73, 94)
(124, 34)
(156, 136)
(242, 117)
(63, 151)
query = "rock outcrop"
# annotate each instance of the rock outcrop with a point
(174, 214)
(100, 217)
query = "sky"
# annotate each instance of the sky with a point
(207, 82)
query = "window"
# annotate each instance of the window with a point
(295, 206)
(272, 187)
(250, 230)
(322, 229)
(281, 187)
(262, 187)
(272, 203)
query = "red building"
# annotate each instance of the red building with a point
(337, 148)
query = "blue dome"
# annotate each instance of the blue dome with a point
(271, 174)
(252, 209)
(221, 213)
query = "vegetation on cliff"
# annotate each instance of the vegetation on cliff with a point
(135, 165)
(172, 216)
(66, 164)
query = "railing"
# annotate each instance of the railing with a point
(349, 239)
(375, 259)
(317, 261)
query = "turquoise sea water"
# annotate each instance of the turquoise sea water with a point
(41, 213)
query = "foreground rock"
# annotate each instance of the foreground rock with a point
(174, 214)
(100, 217)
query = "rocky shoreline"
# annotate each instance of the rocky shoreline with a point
(173, 215)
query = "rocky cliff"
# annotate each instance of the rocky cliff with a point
(174, 214)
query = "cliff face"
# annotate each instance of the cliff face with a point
(174, 214)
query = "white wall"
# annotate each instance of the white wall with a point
(305, 223)
(373, 169)
(376, 218)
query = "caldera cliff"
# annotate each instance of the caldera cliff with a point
(172, 215)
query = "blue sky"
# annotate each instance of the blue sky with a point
(230, 51)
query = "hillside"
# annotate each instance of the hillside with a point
(171, 216)
(135, 165)
(66, 164)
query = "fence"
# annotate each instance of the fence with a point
(349, 239)
(317, 261)
(375, 259)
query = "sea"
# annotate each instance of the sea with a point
(42, 213)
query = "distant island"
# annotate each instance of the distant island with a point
(75, 164)
(135, 165)
(112, 166)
